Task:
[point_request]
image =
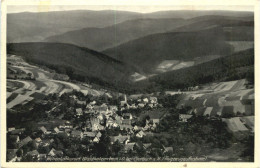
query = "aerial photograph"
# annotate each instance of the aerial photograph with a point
(100, 84)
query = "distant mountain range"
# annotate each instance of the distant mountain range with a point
(35, 27)
(126, 49)
(103, 38)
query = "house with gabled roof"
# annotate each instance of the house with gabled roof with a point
(126, 122)
(120, 138)
(155, 121)
(150, 105)
(17, 131)
(43, 129)
(96, 140)
(146, 127)
(98, 134)
(145, 100)
(77, 134)
(45, 142)
(56, 130)
(168, 149)
(81, 102)
(118, 119)
(141, 105)
(11, 129)
(129, 146)
(79, 112)
(110, 122)
(25, 141)
(184, 117)
(140, 134)
(153, 100)
(38, 140)
(89, 134)
(95, 125)
(146, 145)
(126, 127)
(55, 153)
(137, 128)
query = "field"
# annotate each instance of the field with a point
(21, 91)
(218, 96)
(170, 65)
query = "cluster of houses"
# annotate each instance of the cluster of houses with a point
(139, 103)
(100, 117)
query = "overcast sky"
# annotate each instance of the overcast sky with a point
(141, 9)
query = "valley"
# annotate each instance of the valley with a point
(124, 86)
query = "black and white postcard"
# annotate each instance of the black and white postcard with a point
(133, 84)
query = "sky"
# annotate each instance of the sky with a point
(141, 8)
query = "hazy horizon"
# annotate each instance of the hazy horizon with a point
(137, 9)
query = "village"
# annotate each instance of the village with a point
(50, 119)
(87, 122)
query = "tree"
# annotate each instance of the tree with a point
(43, 149)
(248, 153)
(32, 145)
(117, 147)
(139, 149)
(250, 76)
(28, 158)
(19, 152)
